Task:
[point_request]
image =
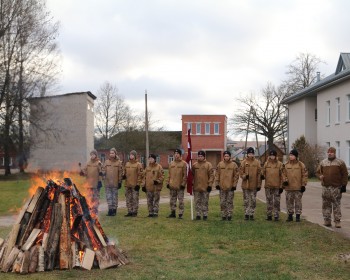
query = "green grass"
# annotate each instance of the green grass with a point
(161, 248)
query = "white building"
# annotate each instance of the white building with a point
(62, 134)
(321, 112)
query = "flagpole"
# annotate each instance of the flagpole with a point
(189, 170)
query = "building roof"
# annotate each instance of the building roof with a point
(60, 95)
(342, 73)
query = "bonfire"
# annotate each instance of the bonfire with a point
(55, 230)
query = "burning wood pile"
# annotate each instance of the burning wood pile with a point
(55, 230)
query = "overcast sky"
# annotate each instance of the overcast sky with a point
(193, 56)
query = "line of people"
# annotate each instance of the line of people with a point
(290, 177)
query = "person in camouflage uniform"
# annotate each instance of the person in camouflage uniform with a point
(152, 185)
(112, 172)
(272, 174)
(203, 178)
(133, 174)
(333, 174)
(250, 172)
(226, 179)
(176, 183)
(93, 173)
(294, 182)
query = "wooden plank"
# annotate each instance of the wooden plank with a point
(75, 255)
(106, 260)
(41, 260)
(34, 234)
(100, 237)
(64, 246)
(88, 259)
(11, 242)
(18, 262)
(34, 200)
(34, 258)
(10, 259)
(2, 241)
(23, 210)
(25, 263)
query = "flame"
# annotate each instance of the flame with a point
(81, 255)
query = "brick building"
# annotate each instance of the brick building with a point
(208, 133)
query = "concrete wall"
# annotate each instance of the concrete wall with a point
(64, 131)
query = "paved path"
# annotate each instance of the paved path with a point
(312, 204)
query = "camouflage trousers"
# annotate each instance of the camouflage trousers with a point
(112, 197)
(273, 202)
(249, 202)
(177, 195)
(331, 198)
(294, 202)
(226, 203)
(132, 200)
(153, 202)
(93, 199)
(201, 202)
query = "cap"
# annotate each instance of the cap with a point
(201, 153)
(250, 150)
(227, 153)
(294, 152)
(178, 151)
(273, 153)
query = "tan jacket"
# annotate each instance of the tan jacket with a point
(272, 172)
(177, 174)
(113, 172)
(153, 172)
(334, 171)
(134, 174)
(203, 175)
(252, 168)
(92, 171)
(226, 175)
(295, 173)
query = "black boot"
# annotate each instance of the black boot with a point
(150, 215)
(269, 218)
(128, 215)
(134, 214)
(251, 217)
(110, 213)
(180, 216)
(205, 218)
(277, 218)
(114, 212)
(224, 218)
(297, 217)
(172, 214)
(229, 218)
(246, 217)
(198, 217)
(290, 218)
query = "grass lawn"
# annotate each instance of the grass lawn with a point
(161, 248)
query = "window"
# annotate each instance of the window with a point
(348, 153)
(158, 159)
(207, 128)
(328, 113)
(315, 115)
(142, 160)
(198, 128)
(170, 158)
(189, 126)
(348, 107)
(337, 110)
(216, 128)
(337, 146)
(103, 158)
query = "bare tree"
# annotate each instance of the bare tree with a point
(302, 72)
(265, 114)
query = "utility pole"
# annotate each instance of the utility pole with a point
(146, 129)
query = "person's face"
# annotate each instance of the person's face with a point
(227, 157)
(331, 155)
(92, 156)
(292, 157)
(201, 158)
(250, 155)
(151, 160)
(131, 156)
(112, 154)
(272, 157)
(177, 155)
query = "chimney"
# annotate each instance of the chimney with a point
(318, 76)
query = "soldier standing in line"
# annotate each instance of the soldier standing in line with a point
(272, 174)
(152, 185)
(226, 178)
(112, 171)
(251, 182)
(203, 178)
(294, 182)
(93, 173)
(133, 173)
(176, 183)
(333, 174)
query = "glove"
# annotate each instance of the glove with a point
(209, 189)
(285, 183)
(124, 177)
(217, 187)
(81, 173)
(99, 185)
(280, 190)
(182, 187)
(258, 189)
(155, 182)
(302, 189)
(119, 185)
(137, 188)
(247, 176)
(343, 189)
(233, 189)
(262, 177)
(144, 189)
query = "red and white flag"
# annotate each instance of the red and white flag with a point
(189, 163)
